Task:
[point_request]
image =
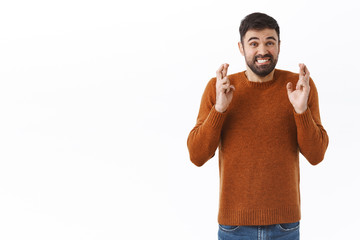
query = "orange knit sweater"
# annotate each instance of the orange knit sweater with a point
(259, 139)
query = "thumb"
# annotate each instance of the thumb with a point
(230, 89)
(289, 87)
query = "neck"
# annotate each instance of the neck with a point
(252, 77)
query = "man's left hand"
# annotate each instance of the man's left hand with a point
(299, 97)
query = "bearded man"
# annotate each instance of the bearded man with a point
(260, 120)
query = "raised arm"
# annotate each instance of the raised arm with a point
(204, 138)
(311, 135)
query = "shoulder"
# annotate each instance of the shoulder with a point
(210, 88)
(284, 74)
(291, 76)
(235, 75)
(211, 84)
(232, 77)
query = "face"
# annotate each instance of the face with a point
(261, 50)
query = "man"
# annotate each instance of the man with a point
(260, 119)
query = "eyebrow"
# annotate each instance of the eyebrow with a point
(256, 38)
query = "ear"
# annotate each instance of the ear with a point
(241, 48)
(279, 46)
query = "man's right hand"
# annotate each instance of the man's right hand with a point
(224, 91)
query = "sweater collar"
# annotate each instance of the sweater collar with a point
(260, 85)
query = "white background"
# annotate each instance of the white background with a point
(97, 99)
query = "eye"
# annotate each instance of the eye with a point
(269, 43)
(253, 44)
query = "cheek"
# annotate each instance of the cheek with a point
(249, 54)
(275, 51)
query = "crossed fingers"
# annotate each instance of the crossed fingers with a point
(222, 81)
(304, 76)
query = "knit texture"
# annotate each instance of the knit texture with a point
(259, 138)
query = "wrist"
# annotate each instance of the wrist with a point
(220, 109)
(300, 110)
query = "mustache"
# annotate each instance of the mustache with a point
(263, 56)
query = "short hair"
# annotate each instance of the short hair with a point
(257, 21)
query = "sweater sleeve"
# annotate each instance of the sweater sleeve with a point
(204, 138)
(311, 135)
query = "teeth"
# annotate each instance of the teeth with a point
(262, 61)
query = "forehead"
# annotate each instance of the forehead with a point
(260, 34)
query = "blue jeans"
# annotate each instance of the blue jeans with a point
(284, 231)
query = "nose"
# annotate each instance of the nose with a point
(262, 49)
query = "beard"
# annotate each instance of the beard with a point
(262, 70)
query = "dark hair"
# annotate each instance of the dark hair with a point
(257, 21)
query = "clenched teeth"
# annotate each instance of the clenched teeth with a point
(262, 61)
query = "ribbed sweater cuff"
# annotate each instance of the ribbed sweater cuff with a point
(304, 119)
(215, 118)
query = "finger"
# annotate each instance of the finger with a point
(226, 85)
(230, 89)
(302, 85)
(307, 73)
(224, 90)
(223, 81)
(219, 72)
(224, 71)
(302, 69)
(303, 81)
(306, 70)
(299, 85)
